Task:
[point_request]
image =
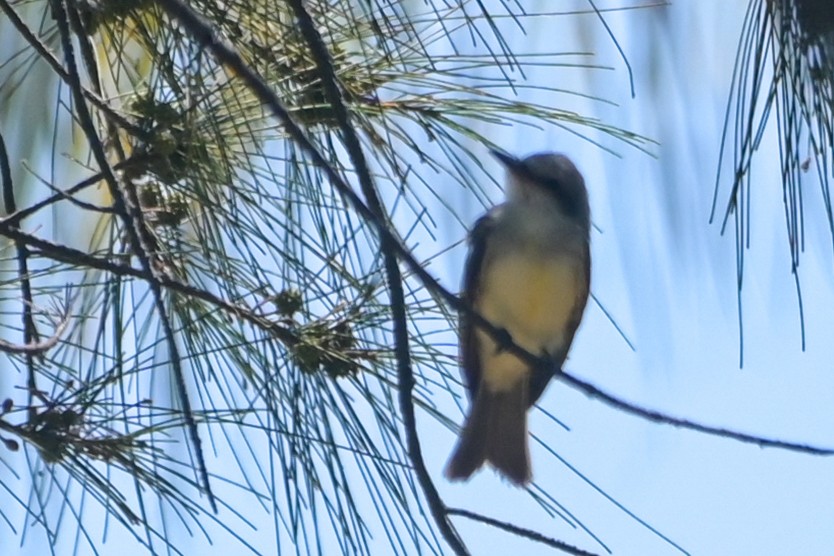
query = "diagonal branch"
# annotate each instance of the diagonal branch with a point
(664, 418)
(521, 532)
(31, 342)
(14, 218)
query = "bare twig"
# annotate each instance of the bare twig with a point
(666, 419)
(521, 532)
(40, 347)
(14, 219)
(31, 342)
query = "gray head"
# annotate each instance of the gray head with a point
(556, 176)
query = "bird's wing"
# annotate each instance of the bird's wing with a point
(541, 377)
(470, 359)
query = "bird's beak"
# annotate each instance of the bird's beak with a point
(512, 163)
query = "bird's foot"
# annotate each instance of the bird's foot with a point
(503, 341)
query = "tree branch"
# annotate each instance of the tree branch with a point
(37, 348)
(31, 344)
(655, 416)
(521, 532)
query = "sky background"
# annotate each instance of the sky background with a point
(668, 278)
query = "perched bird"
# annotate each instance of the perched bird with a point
(528, 272)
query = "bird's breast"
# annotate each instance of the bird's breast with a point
(533, 296)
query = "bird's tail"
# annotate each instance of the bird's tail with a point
(495, 432)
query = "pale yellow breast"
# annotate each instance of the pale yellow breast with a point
(533, 298)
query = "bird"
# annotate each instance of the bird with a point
(527, 272)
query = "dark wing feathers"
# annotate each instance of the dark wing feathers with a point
(470, 360)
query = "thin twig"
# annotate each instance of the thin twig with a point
(14, 219)
(37, 348)
(31, 340)
(664, 418)
(616, 45)
(60, 194)
(521, 532)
